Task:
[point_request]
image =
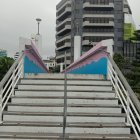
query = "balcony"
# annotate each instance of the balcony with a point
(66, 13)
(68, 2)
(62, 55)
(63, 39)
(88, 23)
(63, 22)
(66, 45)
(87, 42)
(68, 62)
(96, 34)
(90, 15)
(90, 5)
(64, 30)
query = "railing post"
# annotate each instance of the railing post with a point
(22, 65)
(116, 83)
(13, 81)
(0, 106)
(108, 65)
(65, 102)
(128, 108)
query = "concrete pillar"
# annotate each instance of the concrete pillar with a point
(61, 67)
(109, 43)
(77, 47)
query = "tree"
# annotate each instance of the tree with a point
(5, 64)
(136, 36)
(56, 69)
(120, 61)
(134, 75)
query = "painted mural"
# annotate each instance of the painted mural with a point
(92, 62)
(32, 61)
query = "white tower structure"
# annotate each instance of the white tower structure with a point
(37, 39)
(77, 44)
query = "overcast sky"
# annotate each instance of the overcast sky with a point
(17, 18)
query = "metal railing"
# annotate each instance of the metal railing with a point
(8, 83)
(65, 102)
(127, 97)
(10, 80)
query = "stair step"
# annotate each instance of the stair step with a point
(61, 105)
(92, 94)
(58, 136)
(59, 129)
(69, 82)
(61, 76)
(70, 100)
(59, 108)
(37, 124)
(101, 136)
(48, 127)
(69, 124)
(58, 116)
(68, 97)
(61, 114)
(61, 87)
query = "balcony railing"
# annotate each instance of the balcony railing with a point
(66, 45)
(63, 22)
(89, 23)
(98, 34)
(67, 10)
(63, 38)
(92, 5)
(65, 30)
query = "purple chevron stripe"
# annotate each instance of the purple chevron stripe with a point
(32, 53)
(93, 54)
(89, 60)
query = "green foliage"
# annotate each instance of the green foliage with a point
(120, 61)
(136, 36)
(133, 76)
(129, 30)
(56, 69)
(5, 64)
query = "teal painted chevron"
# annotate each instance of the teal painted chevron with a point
(99, 67)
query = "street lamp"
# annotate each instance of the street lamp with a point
(38, 21)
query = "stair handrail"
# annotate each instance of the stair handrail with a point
(65, 102)
(128, 99)
(123, 79)
(8, 83)
(5, 78)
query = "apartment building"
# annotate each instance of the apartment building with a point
(93, 20)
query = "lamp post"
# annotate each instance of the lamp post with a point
(38, 22)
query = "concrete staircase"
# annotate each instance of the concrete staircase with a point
(36, 110)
